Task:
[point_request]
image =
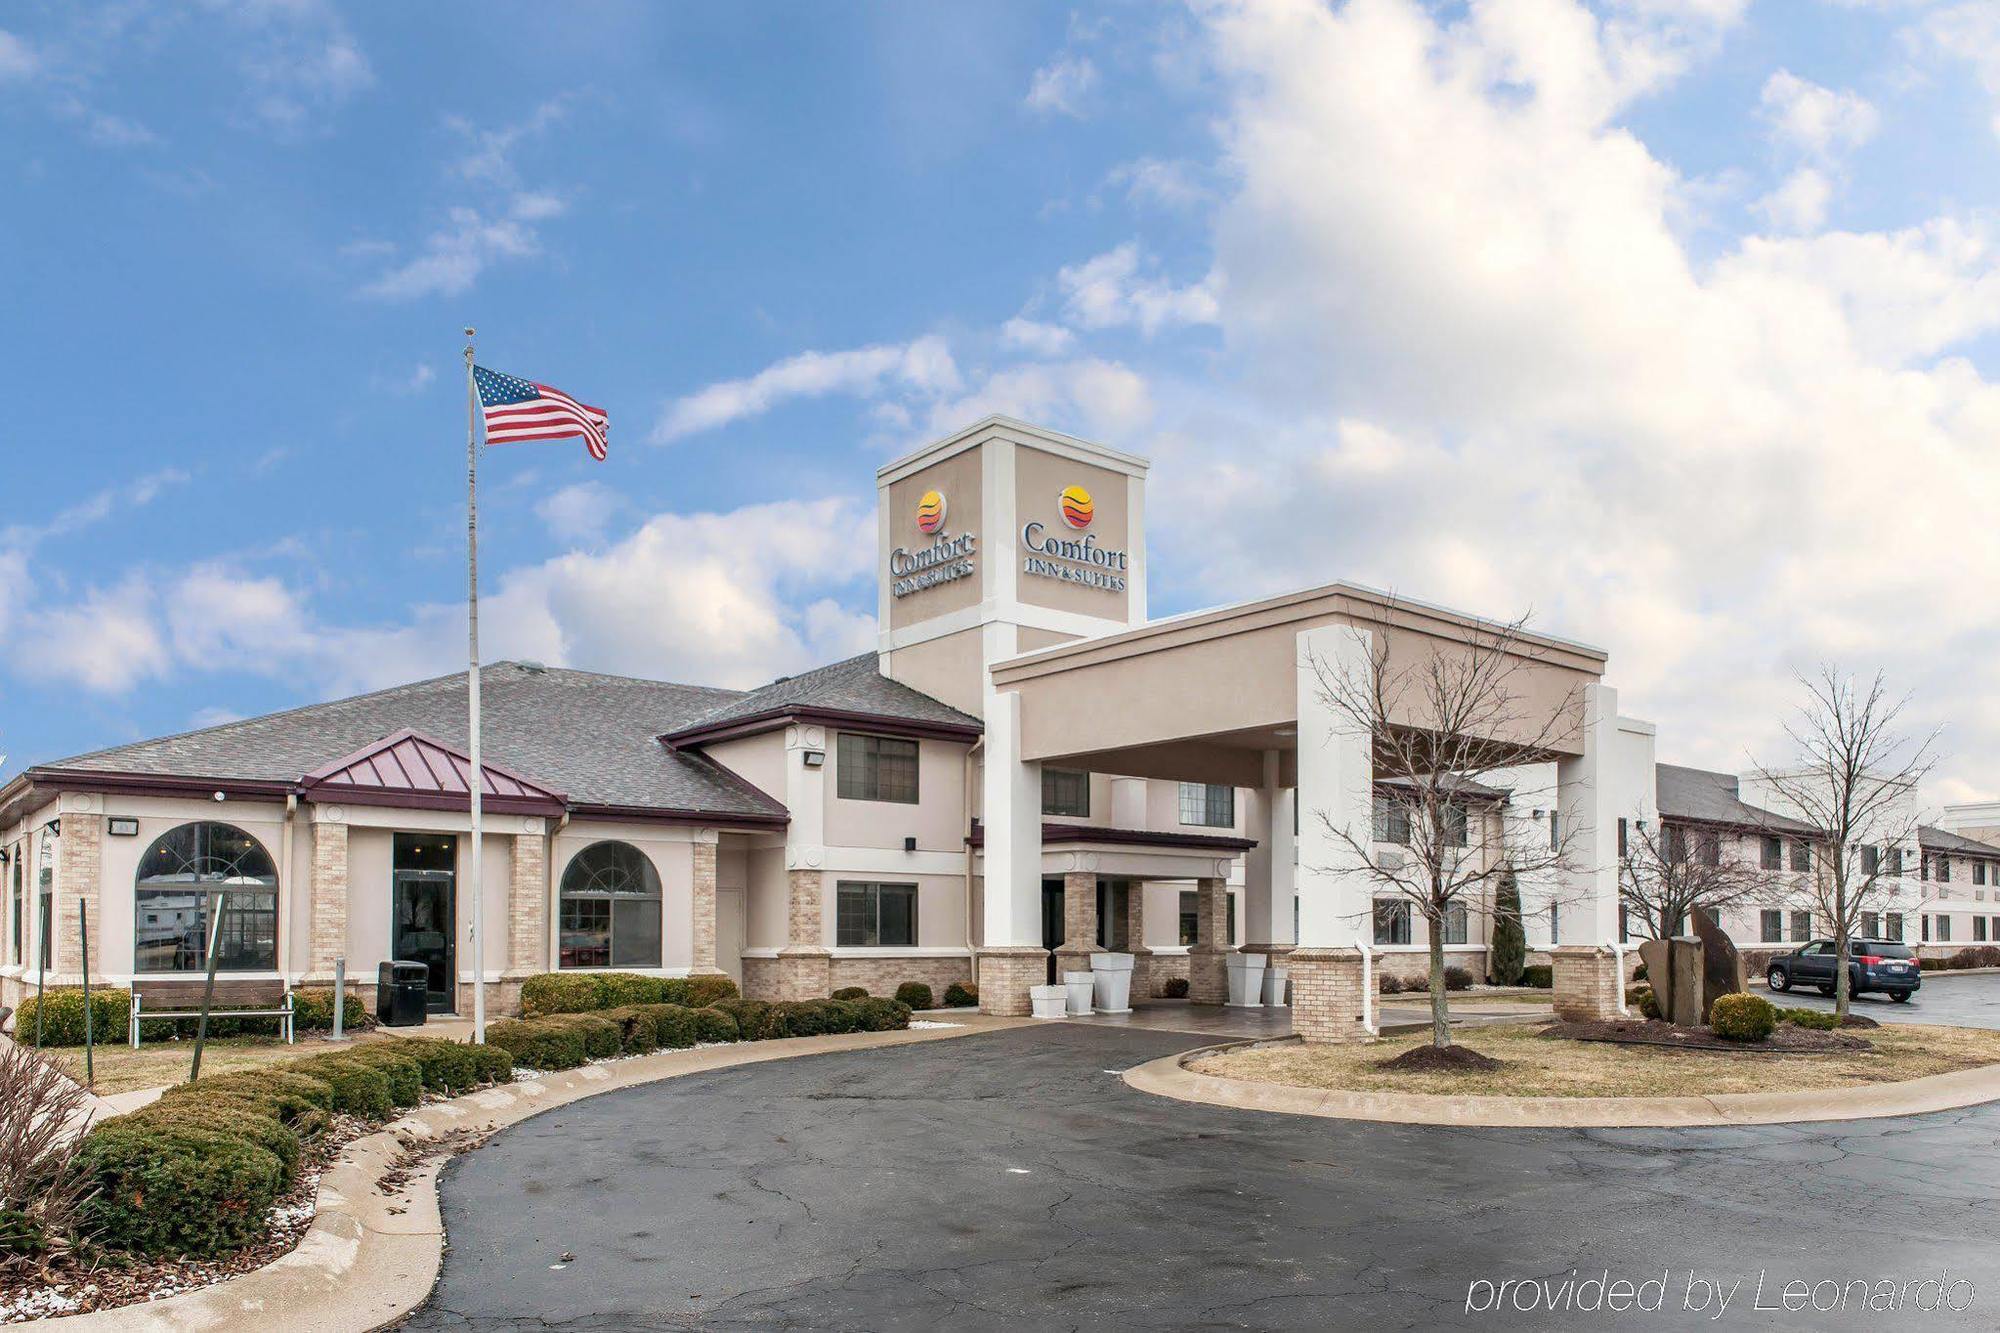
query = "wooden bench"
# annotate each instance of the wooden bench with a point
(271, 998)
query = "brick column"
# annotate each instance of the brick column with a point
(1005, 975)
(329, 896)
(79, 868)
(1327, 994)
(1135, 941)
(1587, 980)
(527, 904)
(1079, 922)
(704, 910)
(1208, 973)
(805, 964)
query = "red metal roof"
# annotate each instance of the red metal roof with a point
(408, 768)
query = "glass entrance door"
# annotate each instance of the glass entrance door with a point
(423, 888)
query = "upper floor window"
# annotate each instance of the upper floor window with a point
(1457, 826)
(1978, 872)
(871, 915)
(1065, 793)
(1801, 855)
(1391, 819)
(181, 877)
(1771, 854)
(1895, 859)
(1208, 804)
(1944, 870)
(1708, 849)
(877, 768)
(1624, 839)
(1871, 860)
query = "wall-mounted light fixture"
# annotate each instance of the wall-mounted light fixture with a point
(815, 758)
(121, 827)
(909, 844)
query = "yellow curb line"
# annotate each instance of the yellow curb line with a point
(359, 1266)
(1169, 1077)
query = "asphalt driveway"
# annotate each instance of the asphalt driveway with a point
(1966, 1000)
(1010, 1180)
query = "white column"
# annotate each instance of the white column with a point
(1335, 784)
(1586, 793)
(1128, 803)
(805, 796)
(1011, 813)
(1267, 867)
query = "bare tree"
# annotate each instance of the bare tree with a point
(1667, 874)
(1452, 732)
(1854, 777)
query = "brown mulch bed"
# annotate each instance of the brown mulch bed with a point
(1440, 1060)
(1786, 1040)
(81, 1284)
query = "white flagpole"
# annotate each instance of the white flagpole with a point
(478, 776)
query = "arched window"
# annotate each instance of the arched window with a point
(610, 908)
(181, 878)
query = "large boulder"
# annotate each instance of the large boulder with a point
(1721, 964)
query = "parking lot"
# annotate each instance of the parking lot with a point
(1967, 1000)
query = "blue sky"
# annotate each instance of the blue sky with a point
(1672, 323)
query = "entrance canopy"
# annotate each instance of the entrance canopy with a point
(1203, 697)
(412, 770)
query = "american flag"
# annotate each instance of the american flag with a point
(519, 410)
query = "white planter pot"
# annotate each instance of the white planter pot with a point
(1246, 980)
(1113, 973)
(1049, 1001)
(1274, 986)
(1079, 986)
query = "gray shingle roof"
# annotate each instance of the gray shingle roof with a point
(1943, 840)
(856, 685)
(588, 736)
(1696, 793)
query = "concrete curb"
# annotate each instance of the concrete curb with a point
(1170, 1077)
(369, 1258)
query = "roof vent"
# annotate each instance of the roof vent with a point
(532, 668)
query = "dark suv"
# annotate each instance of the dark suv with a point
(1872, 965)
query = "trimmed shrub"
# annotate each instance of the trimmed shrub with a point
(958, 995)
(1388, 983)
(1809, 1018)
(884, 1015)
(1639, 972)
(493, 1064)
(754, 1020)
(61, 1010)
(302, 1101)
(1507, 953)
(312, 1011)
(713, 1025)
(1176, 988)
(359, 1089)
(229, 1116)
(674, 1025)
(1933, 964)
(915, 994)
(1642, 999)
(637, 1033)
(538, 1043)
(1742, 1017)
(448, 1067)
(804, 1018)
(403, 1070)
(601, 1036)
(851, 993)
(1541, 976)
(620, 990)
(562, 993)
(699, 992)
(178, 1189)
(845, 1016)
(1457, 978)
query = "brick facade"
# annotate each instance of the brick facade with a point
(803, 969)
(1006, 974)
(329, 896)
(1327, 994)
(79, 870)
(1135, 942)
(1208, 970)
(703, 931)
(881, 976)
(527, 904)
(1588, 981)
(1079, 922)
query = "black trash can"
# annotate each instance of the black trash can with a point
(401, 994)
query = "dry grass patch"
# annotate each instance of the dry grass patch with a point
(1534, 1066)
(162, 1063)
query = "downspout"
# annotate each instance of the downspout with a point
(966, 824)
(285, 859)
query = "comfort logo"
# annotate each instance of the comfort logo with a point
(1077, 507)
(930, 512)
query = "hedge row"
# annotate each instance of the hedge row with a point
(196, 1172)
(563, 1041)
(61, 1010)
(549, 993)
(1979, 955)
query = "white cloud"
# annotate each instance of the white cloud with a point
(108, 640)
(1037, 338)
(924, 365)
(1110, 291)
(1103, 399)
(455, 255)
(1468, 355)
(1969, 32)
(490, 157)
(297, 58)
(18, 60)
(1816, 119)
(1150, 180)
(1061, 86)
(93, 508)
(1799, 203)
(579, 513)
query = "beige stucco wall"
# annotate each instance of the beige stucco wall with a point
(937, 820)
(767, 895)
(950, 668)
(758, 760)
